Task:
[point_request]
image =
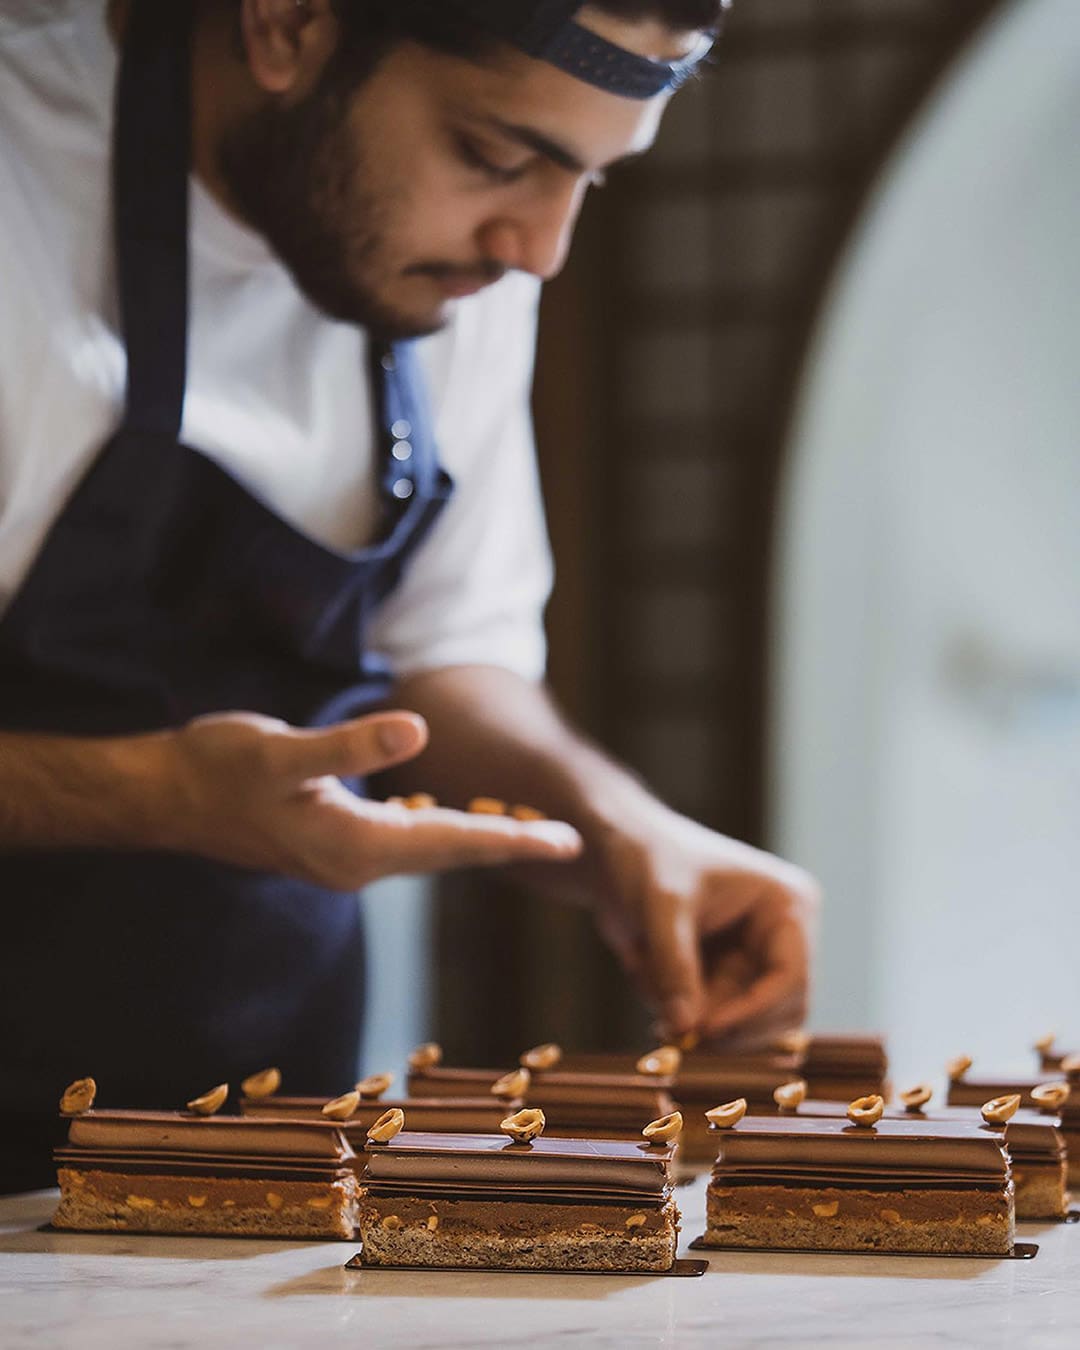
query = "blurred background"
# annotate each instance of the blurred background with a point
(807, 412)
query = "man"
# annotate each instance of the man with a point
(231, 554)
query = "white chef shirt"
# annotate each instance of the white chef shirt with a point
(277, 393)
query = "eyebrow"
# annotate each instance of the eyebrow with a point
(544, 145)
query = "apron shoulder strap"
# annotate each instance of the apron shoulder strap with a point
(151, 158)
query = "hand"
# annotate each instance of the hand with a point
(716, 933)
(255, 792)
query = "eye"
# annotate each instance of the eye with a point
(475, 158)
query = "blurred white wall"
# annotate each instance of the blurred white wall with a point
(397, 919)
(926, 762)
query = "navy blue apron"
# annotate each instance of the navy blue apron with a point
(167, 589)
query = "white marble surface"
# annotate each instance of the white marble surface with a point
(112, 1293)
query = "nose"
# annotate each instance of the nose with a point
(535, 236)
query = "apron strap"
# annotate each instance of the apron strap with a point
(151, 157)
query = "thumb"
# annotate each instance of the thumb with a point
(673, 967)
(364, 746)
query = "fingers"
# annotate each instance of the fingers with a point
(774, 996)
(438, 840)
(358, 748)
(672, 968)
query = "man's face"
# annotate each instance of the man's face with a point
(391, 200)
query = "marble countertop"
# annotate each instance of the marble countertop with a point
(151, 1293)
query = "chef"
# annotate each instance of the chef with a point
(258, 543)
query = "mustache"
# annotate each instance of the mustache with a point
(482, 273)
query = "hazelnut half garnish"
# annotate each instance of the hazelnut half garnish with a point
(373, 1087)
(341, 1108)
(866, 1111)
(426, 1056)
(262, 1084)
(663, 1061)
(914, 1099)
(727, 1115)
(541, 1057)
(486, 806)
(78, 1097)
(389, 1124)
(420, 801)
(210, 1101)
(1000, 1109)
(795, 1042)
(1050, 1096)
(687, 1041)
(664, 1130)
(527, 813)
(1070, 1064)
(1046, 1043)
(956, 1068)
(524, 1126)
(790, 1096)
(512, 1084)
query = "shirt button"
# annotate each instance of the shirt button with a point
(402, 488)
(387, 361)
(401, 429)
(401, 450)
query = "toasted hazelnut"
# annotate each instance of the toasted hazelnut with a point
(527, 813)
(1045, 1043)
(432, 1222)
(795, 1042)
(487, 806)
(1000, 1109)
(1070, 1064)
(1050, 1096)
(687, 1041)
(78, 1097)
(197, 1201)
(262, 1084)
(665, 1130)
(956, 1068)
(392, 1221)
(866, 1111)
(524, 1126)
(728, 1115)
(319, 1201)
(141, 1202)
(373, 1087)
(210, 1101)
(663, 1061)
(541, 1057)
(891, 1216)
(426, 1056)
(420, 801)
(389, 1124)
(790, 1096)
(634, 1221)
(827, 1209)
(341, 1108)
(914, 1099)
(512, 1084)
(275, 1200)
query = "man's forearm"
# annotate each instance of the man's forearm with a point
(62, 791)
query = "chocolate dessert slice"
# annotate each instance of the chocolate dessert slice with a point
(593, 1103)
(428, 1115)
(791, 1182)
(840, 1067)
(170, 1172)
(487, 1201)
(1032, 1140)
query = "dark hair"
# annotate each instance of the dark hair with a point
(370, 28)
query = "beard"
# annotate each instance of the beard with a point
(298, 176)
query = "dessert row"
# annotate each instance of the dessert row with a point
(563, 1163)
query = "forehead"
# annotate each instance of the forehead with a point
(509, 87)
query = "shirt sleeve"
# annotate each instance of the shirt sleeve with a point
(475, 590)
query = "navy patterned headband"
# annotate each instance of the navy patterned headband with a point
(546, 29)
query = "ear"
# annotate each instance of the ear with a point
(287, 42)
